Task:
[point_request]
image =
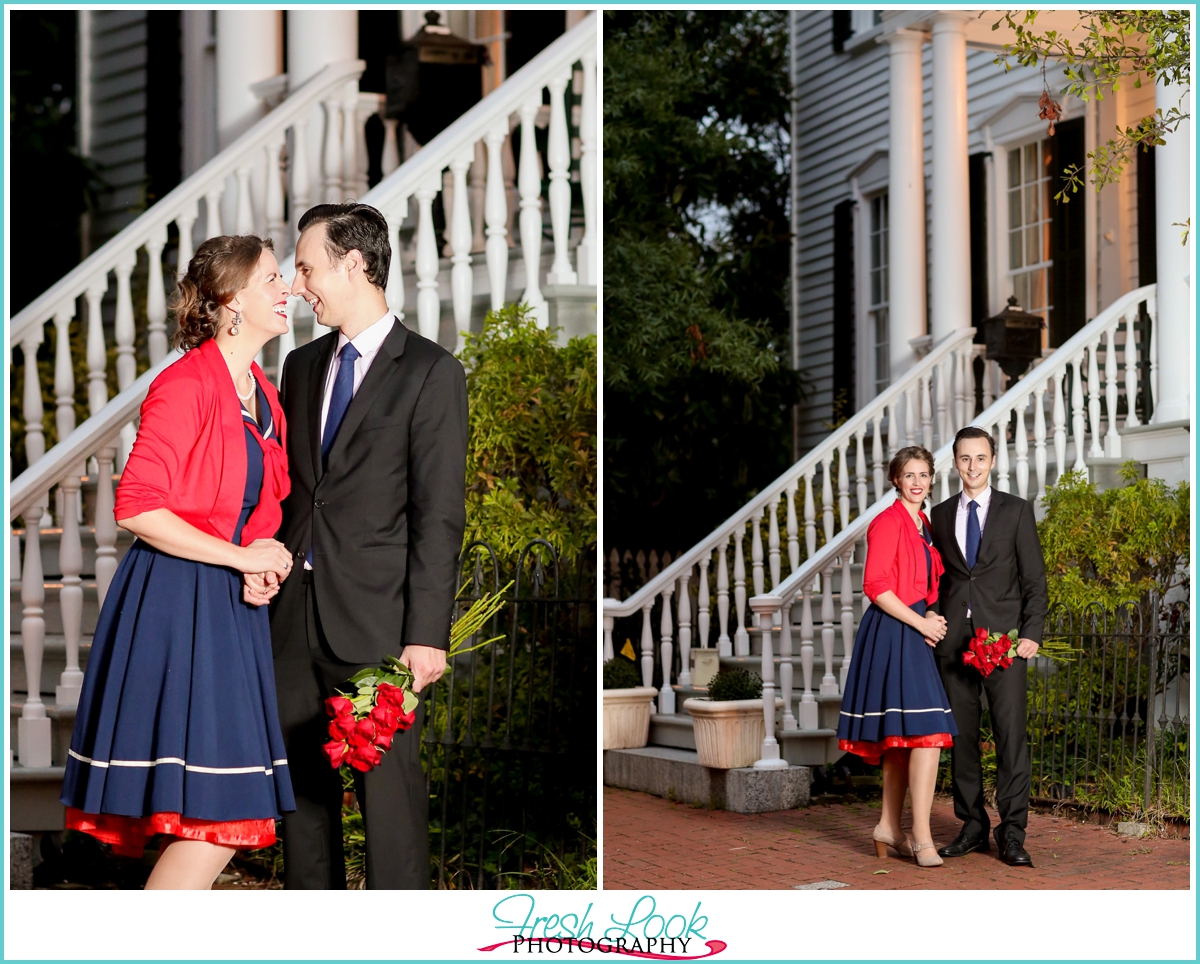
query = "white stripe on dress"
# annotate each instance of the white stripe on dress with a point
(177, 761)
(859, 716)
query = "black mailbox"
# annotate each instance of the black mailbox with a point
(1014, 339)
(433, 79)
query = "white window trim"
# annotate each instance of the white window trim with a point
(868, 180)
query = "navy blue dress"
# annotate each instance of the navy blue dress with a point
(177, 715)
(894, 695)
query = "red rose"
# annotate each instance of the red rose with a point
(337, 751)
(385, 718)
(388, 695)
(406, 720)
(364, 758)
(362, 735)
(337, 706)
(383, 739)
(340, 727)
(981, 633)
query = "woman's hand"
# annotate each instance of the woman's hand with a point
(933, 627)
(260, 587)
(265, 555)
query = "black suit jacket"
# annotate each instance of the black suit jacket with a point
(385, 519)
(1006, 589)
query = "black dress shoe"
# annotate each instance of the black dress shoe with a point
(964, 844)
(1013, 854)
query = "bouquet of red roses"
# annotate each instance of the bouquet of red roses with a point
(989, 652)
(364, 720)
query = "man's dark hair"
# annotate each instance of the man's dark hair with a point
(974, 431)
(354, 227)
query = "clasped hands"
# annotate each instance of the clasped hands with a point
(265, 564)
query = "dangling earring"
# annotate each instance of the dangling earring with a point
(237, 322)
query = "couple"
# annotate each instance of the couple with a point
(979, 564)
(339, 501)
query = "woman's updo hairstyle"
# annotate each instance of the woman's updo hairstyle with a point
(906, 455)
(220, 268)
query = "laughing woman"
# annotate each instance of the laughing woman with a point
(894, 706)
(177, 731)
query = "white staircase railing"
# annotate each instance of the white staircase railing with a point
(1088, 377)
(109, 430)
(925, 404)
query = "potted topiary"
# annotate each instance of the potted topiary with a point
(729, 724)
(626, 705)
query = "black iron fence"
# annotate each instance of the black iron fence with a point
(510, 733)
(1111, 727)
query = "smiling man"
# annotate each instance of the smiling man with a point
(376, 444)
(995, 577)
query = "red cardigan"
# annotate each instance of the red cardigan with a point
(896, 559)
(190, 452)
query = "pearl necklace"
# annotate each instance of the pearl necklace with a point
(250, 394)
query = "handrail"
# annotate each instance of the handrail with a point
(225, 163)
(831, 443)
(89, 437)
(943, 457)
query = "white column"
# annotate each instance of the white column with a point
(765, 608)
(559, 158)
(1172, 205)
(585, 255)
(950, 259)
(906, 199)
(529, 182)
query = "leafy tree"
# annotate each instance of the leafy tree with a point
(698, 386)
(1108, 49)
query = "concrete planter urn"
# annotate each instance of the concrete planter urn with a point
(627, 717)
(729, 733)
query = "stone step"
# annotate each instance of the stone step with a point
(33, 799)
(801, 747)
(54, 661)
(62, 722)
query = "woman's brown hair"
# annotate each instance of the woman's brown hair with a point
(220, 268)
(906, 455)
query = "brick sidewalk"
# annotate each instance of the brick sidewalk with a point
(654, 844)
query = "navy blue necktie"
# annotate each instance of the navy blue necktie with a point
(339, 401)
(973, 534)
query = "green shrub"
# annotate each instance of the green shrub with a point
(735, 684)
(621, 674)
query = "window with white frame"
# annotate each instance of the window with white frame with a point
(1029, 213)
(877, 286)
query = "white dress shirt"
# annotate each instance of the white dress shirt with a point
(982, 501)
(367, 343)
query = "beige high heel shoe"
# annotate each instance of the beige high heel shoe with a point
(882, 841)
(927, 855)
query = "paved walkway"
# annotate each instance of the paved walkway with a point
(654, 844)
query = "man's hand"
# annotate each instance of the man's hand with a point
(1026, 648)
(931, 642)
(259, 588)
(427, 663)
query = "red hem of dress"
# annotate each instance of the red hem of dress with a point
(873, 752)
(129, 835)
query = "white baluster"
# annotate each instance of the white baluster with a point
(943, 394)
(428, 305)
(244, 219)
(860, 471)
(846, 597)
(333, 151)
(461, 276)
(64, 373)
(559, 160)
(395, 285)
(390, 160)
(97, 354)
(106, 523)
(496, 215)
(300, 175)
(585, 256)
(724, 644)
(925, 404)
(793, 529)
(843, 486)
(912, 416)
(212, 213)
(529, 180)
(33, 729)
(1096, 450)
(810, 517)
(1112, 440)
(829, 683)
(666, 695)
(350, 136)
(70, 597)
(990, 369)
(273, 194)
(1131, 371)
(1059, 414)
(35, 436)
(184, 221)
(773, 540)
(685, 630)
(1039, 440)
(807, 715)
(756, 551)
(702, 604)
(786, 670)
(827, 495)
(741, 638)
(609, 653)
(647, 646)
(512, 199)
(1077, 416)
(1152, 311)
(1001, 430)
(765, 607)
(156, 298)
(877, 458)
(1021, 440)
(125, 334)
(477, 181)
